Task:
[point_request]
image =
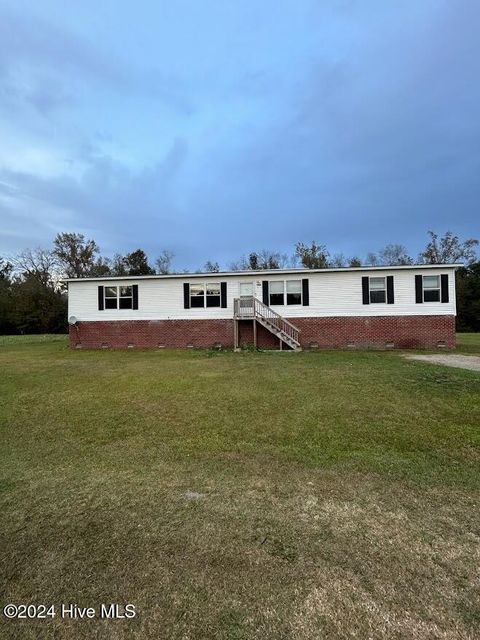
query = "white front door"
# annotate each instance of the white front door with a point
(246, 298)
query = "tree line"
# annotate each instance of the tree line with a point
(33, 297)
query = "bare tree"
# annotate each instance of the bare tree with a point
(118, 267)
(272, 259)
(395, 254)
(392, 254)
(372, 259)
(258, 260)
(338, 261)
(38, 263)
(211, 267)
(164, 262)
(448, 249)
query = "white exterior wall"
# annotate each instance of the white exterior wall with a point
(332, 293)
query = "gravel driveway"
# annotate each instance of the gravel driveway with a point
(450, 360)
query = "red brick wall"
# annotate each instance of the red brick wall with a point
(327, 333)
(378, 331)
(152, 333)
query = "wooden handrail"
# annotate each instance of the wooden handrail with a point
(251, 307)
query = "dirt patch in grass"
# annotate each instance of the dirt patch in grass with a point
(459, 361)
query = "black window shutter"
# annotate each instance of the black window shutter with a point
(223, 295)
(186, 295)
(265, 291)
(100, 299)
(365, 290)
(444, 286)
(418, 289)
(305, 292)
(390, 294)
(135, 296)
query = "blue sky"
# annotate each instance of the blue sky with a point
(215, 128)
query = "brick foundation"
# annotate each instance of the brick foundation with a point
(401, 332)
(152, 333)
(324, 333)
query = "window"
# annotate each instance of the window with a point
(111, 298)
(431, 288)
(213, 294)
(294, 291)
(125, 298)
(118, 297)
(276, 292)
(197, 295)
(289, 290)
(378, 292)
(205, 295)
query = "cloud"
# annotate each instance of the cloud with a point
(27, 40)
(212, 130)
(48, 68)
(108, 199)
(382, 144)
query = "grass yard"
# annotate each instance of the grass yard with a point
(468, 343)
(240, 496)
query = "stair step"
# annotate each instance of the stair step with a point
(268, 318)
(291, 342)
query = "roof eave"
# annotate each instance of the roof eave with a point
(213, 275)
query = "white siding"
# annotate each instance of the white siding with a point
(335, 293)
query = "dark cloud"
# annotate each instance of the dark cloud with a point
(121, 207)
(219, 132)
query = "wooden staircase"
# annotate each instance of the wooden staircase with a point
(251, 308)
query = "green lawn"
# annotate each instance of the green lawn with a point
(468, 342)
(240, 496)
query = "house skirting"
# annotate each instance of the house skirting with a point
(322, 333)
